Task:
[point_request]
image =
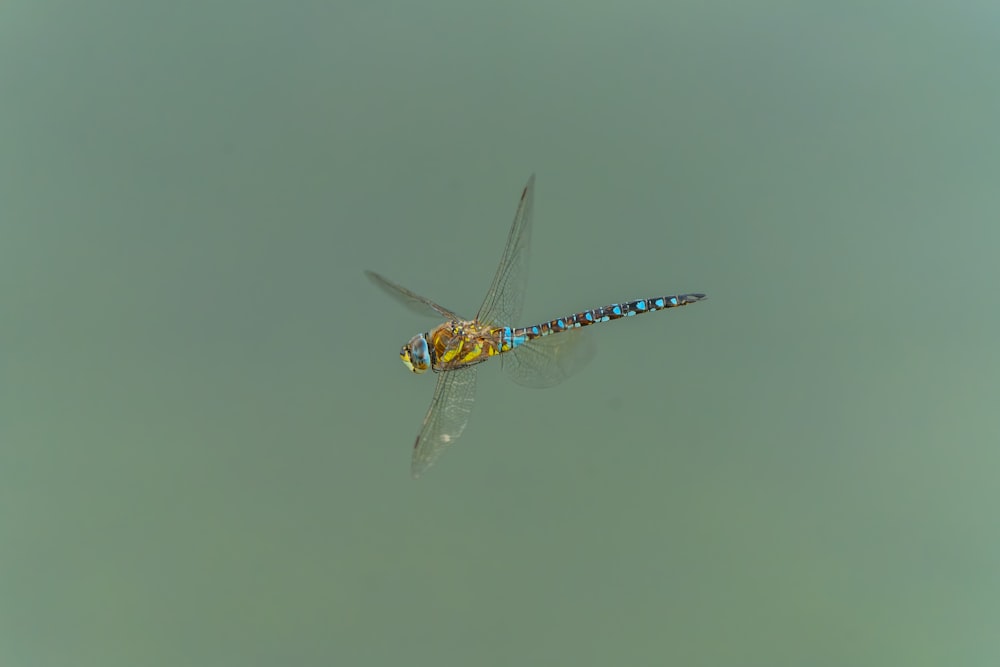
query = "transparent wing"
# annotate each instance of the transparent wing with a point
(503, 301)
(416, 303)
(446, 418)
(547, 361)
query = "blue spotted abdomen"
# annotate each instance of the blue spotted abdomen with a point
(514, 336)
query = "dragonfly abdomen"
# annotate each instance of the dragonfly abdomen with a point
(515, 336)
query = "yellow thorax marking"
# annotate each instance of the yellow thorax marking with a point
(449, 355)
(474, 352)
(452, 353)
(465, 349)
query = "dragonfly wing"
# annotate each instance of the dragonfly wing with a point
(503, 301)
(416, 303)
(547, 361)
(446, 418)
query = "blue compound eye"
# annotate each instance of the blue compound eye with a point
(416, 354)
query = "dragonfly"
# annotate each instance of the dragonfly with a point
(533, 356)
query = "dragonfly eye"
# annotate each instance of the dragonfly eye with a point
(416, 355)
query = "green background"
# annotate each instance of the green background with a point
(205, 429)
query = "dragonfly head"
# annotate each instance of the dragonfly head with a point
(416, 354)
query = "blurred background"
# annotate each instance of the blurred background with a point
(205, 429)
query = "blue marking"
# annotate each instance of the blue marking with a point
(629, 313)
(673, 300)
(616, 309)
(589, 315)
(561, 324)
(534, 330)
(517, 340)
(641, 305)
(605, 318)
(659, 303)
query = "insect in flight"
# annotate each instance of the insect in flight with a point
(532, 356)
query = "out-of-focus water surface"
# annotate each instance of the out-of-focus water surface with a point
(205, 432)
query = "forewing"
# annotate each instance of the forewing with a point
(505, 297)
(451, 406)
(413, 301)
(547, 361)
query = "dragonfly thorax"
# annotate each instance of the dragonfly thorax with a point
(416, 354)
